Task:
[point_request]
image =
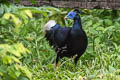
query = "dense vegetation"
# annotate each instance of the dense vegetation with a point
(26, 55)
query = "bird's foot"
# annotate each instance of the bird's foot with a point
(55, 65)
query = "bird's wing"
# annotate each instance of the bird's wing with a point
(62, 35)
(50, 37)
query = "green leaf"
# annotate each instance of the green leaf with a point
(97, 40)
(96, 25)
(17, 22)
(4, 21)
(28, 13)
(1, 9)
(100, 28)
(15, 59)
(108, 22)
(92, 30)
(18, 1)
(34, 1)
(26, 71)
(89, 23)
(112, 69)
(17, 73)
(110, 28)
(1, 74)
(22, 78)
(7, 60)
(3, 69)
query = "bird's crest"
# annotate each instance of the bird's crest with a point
(49, 25)
(77, 11)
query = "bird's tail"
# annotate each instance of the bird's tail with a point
(49, 25)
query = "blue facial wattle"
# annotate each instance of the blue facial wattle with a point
(71, 15)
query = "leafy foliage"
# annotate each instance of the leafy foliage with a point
(21, 31)
(12, 51)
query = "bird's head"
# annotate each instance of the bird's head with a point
(48, 26)
(72, 14)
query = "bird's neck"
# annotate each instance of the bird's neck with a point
(77, 23)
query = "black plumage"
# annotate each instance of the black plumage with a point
(68, 41)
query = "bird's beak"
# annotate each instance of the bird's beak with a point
(65, 17)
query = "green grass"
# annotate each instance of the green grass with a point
(101, 61)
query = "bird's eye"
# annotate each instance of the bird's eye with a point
(70, 14)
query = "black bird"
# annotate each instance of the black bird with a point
(67, 41)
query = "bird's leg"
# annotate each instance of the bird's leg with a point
(76, 59)
(57, 60)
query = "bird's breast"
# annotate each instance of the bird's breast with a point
(77, 40)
